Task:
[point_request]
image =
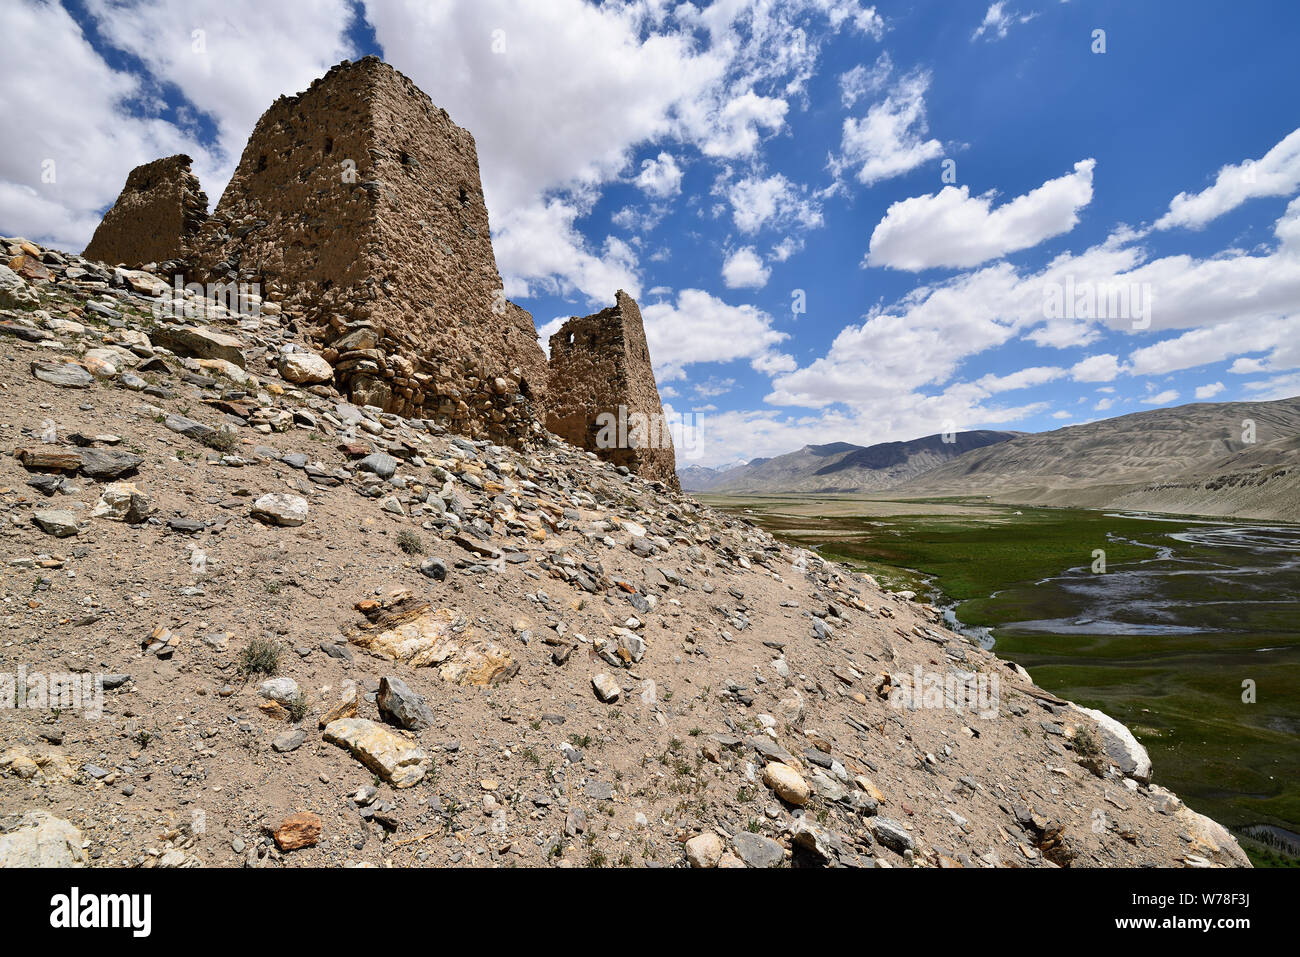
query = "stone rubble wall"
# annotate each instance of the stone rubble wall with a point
(159, 210)
(600, 366)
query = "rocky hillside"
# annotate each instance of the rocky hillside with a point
(1261, 481)
(1188, 459)
(844, 467)
(327, 635)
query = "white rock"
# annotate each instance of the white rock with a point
(283, 690)
(42, 840)
(122, 502)
(787, 783)
(606, 687)
(281, 509)
(228, 369)
(704, 850)
(305, 367)
(68, 326)
(1121, 747)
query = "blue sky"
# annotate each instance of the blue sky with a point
(724, 162)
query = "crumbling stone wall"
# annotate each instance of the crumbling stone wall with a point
(357, 206)
(160, 209)
(602, 394)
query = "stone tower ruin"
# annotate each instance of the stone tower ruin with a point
(357, 208)
(602, 394)
(158, 212)
(357, 205)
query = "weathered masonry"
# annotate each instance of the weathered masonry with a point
(357, 203)
(158, 212)
(602, 394)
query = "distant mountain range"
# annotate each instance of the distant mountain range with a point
(839, 466)
(1239, 459)
(701, 478)
(1193, 459)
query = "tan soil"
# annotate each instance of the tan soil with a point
(180, 768)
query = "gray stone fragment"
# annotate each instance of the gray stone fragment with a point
(379, 463)
(289, 741)
(108, 463)
(55, 521)
(892, 835)
(67, 375)
(758, 851)
(399, 704)
(189, 428)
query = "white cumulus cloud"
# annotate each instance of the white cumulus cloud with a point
(699, 327)
(952, 228)
(660, 177)
(1100, 368)
(771, 201)
(744, 269)
(891, 138)
(1276, 173)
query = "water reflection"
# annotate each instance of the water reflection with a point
(1191, 584)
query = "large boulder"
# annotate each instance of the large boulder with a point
(42, 840)
(1121, 747)
(67, 375)
(14, 293)
(1209, 843)
(305, 367)
(200, 342)
(1210, 840)
(278, 508)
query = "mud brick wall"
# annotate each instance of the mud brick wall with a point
(357, 205)
(598, 364)
(159, 210)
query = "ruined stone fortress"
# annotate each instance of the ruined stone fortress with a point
(357, 208)
(603, 393)
(161, 207)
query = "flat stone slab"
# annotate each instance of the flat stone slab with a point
(108, 464)
(188, 427)
(42, 840)
(67, 375)
(758, 851)
(56, 521)
(200, 342)
(394, 758)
